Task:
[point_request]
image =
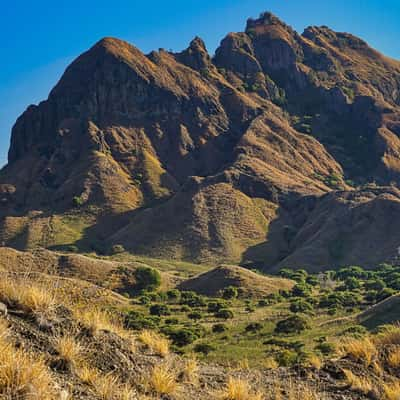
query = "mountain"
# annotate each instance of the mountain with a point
(280, 150)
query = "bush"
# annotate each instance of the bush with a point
(195, 315)
(253, 327)
(147, 278)
(286, 358)
(301, 306)
(325, 348)
(117, 249)
(78, 201)
(192, 299)
(159, 309)
(301, 290)
(173, 295)
(352, 283)
(230, 292)
(293, 324)
(375, 284)
(215, 306)
(172, 321)
(203, 348)
(219, 328)
(181, 337)
(224, 313)
(137, 321)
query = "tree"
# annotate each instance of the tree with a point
(147, 278)
(293, 324)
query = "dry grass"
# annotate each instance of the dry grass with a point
(392, 390)
(357, 383)
(87, 374)
(155, 342)
(393, 358)
(315, 361)
(162, 380)
(22, 376)
(68, 348)
(362, 350)
(105, 386)
(190, 371)
(27, 293)
(239, 389)
(301, 392)
(270, 363)
(97, 320)
(388, 335)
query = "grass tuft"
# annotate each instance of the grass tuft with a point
(155, 342)
(162, 380)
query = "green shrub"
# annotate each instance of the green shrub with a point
(137, 321)
(301, 306)
(159, 309)
(216, 305)
(195, 315)
(78, 201)
(286, 358)
(224, 313)
(375, 284)
(325, 348)
(219, 328)
(204, 348)
(173, 295)
(230, 292)
(301, 290)
(172, 321)
(293, 324)
(147, 278)
(181, 336)
(253, 327)
(117, 249)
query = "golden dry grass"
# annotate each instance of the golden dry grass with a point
(315, 361)
(162, 380)
(23, 376)
(392, 390)
(68, 348)
(358, 383)
(393, 358)
(361, 350)
(190, 371)
(155, 342)
(27, 293)
(105, 386)
(388, 335)
(270, 363)
(239, 389)
(96, 320)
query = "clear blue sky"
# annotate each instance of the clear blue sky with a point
(40, 38)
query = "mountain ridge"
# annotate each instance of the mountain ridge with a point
(232, 157)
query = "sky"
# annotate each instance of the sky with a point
(40, 38)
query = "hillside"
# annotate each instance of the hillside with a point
(259, 155)
(250, 284)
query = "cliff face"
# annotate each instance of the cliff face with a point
(232, 157)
